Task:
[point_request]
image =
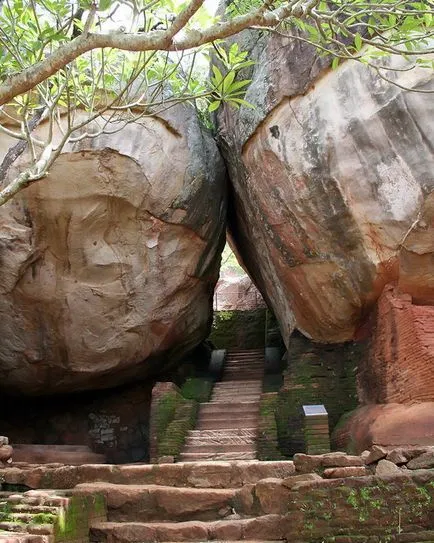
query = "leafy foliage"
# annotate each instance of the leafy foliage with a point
(102, 88)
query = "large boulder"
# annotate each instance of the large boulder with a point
(332, 174)
(108, 266)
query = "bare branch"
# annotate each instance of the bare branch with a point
(17, 150)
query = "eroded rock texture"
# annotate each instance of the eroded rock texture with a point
(332, 175)
(108, 266)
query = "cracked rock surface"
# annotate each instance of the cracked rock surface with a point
(108, 266)
(333, 180)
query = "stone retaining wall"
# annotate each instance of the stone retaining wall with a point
(52, 516)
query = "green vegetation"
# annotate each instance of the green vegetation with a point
(176, 414)
(316, 374)
(91, 67)
(267, 436)
(44, 518)
(197, 389)
(241, 329)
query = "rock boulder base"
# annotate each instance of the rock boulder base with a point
(108, 265)
(333, 181)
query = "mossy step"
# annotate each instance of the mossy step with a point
(32, 518)
(150, 503)
(33, 509)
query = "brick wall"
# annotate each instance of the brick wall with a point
(399, 367)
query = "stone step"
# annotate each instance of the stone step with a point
(223, 433)
(229, 397)
(247, 362)
(243, 366)
(266, 528)
(247, 382)
(235, 394)
(228, 414)
(150, 503)
(217, 457)
(221, 440)
(233, 374)
(19, 537)
(239, 385)
(204, 475)
(220, 448)
(245, 352)
(234, 354)
(226, 424)
(26, 508)
(232, 407)
(231, 386)
(240, 418)
(18, 526)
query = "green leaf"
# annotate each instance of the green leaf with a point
(104, 4)
(218, 76)
(242, 102)
(358, 41)
(214, 105)
(227, 81)
(335, 63)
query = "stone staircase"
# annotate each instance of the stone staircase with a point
(227, 426)
(197, 501)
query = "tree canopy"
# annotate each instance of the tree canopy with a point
(88, 67)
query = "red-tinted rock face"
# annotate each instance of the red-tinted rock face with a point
(236, 292)
(329, 183)
(391, 424)
(108, 266)
(400, 365)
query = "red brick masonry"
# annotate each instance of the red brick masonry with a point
(400, 366)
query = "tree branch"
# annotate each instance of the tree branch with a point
(149, 41)
(17, 150)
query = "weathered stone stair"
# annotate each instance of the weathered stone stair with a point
(227, 425)
(170, 511)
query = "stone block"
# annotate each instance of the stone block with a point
(424, 461)
(385, 468)
(272, 496)
(349, 471)
(291, 482)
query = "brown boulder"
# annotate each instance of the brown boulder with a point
(388, 425)
(385, 468)
(6, 452)
(330, 175)
(424, 461)
(397, 456)
(376, 453)
(108, 265)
